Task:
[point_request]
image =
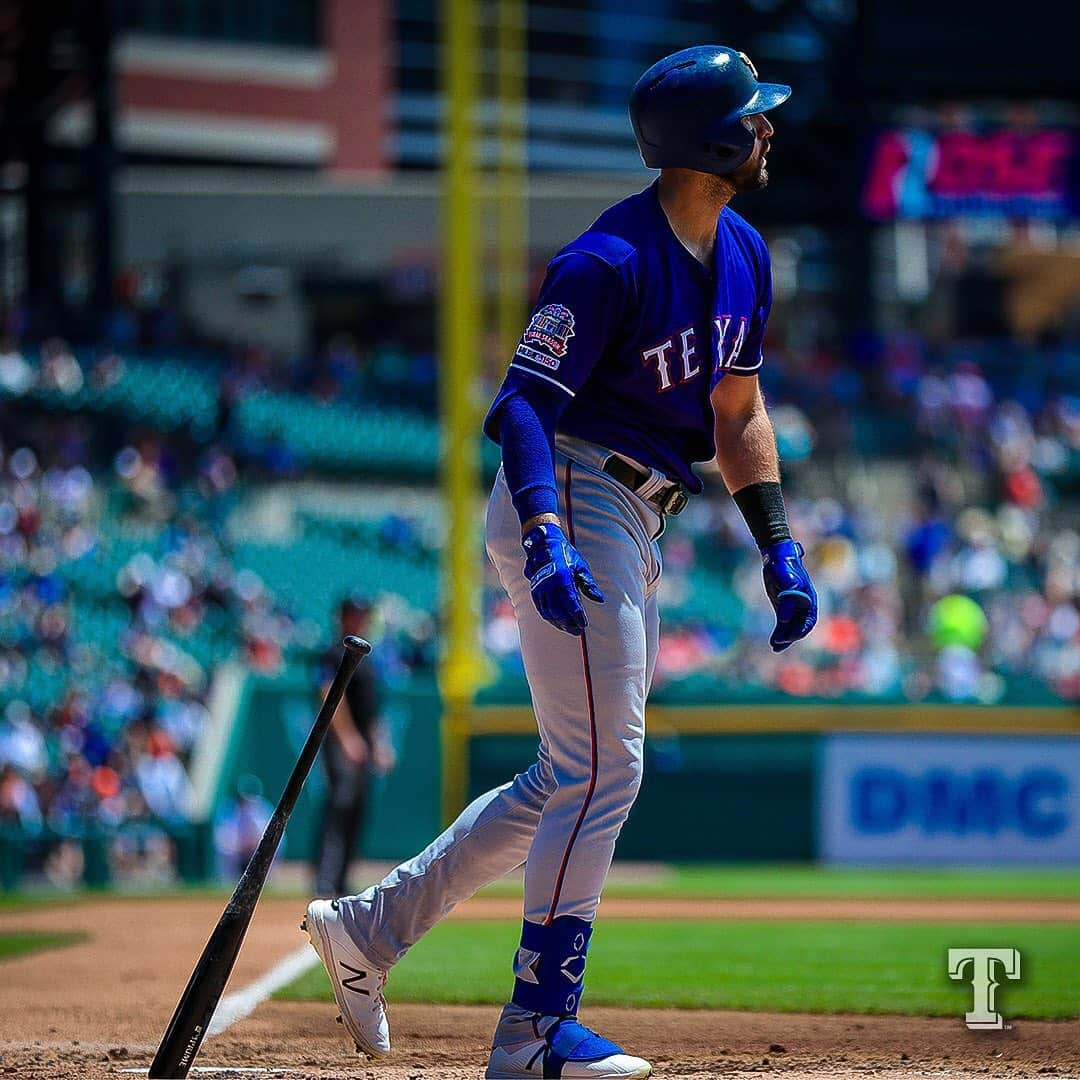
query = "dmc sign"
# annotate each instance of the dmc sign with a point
(885, 800)
(945, 798)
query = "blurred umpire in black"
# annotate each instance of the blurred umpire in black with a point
(354, 751)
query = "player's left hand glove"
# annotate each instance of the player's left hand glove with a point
(791, 591)
(558, 577)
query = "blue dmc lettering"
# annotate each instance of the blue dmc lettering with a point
(959, 804)
(1040, 803)
(944, 802)
(879, 800)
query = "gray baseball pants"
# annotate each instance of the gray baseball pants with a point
(562, 815)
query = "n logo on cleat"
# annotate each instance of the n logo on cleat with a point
(356, 976)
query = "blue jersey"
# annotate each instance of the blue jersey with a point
(637, 333)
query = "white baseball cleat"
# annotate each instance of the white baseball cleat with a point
(528, 1045)
(357, 982)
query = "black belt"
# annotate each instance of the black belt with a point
(670, 499)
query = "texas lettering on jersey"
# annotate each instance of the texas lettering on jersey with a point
(686, 349)
(729, 359)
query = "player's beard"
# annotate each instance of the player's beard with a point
(752, 175)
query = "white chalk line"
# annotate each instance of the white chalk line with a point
(244, 1002)
(241, 1003)
(224, 1070)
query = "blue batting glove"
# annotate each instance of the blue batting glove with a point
(791, 591)
(557, 573)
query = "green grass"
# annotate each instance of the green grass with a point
(21, 943)
(876, 882)
(736, 881)
(38, 897)
(807, 880)
(823, 967)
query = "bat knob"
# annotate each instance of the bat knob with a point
(356, 644)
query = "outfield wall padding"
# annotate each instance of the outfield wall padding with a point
(703, 798)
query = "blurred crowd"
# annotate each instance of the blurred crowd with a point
(927, 594)
(946, 548)
(390, 372)
(104, 697)
(935, 492)
(119, 593)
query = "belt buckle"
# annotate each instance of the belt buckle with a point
(674, 501)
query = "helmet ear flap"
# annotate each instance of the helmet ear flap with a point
(728, 156)
(731, 145)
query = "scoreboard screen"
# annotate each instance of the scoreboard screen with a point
(919, 174)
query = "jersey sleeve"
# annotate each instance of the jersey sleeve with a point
(575, 318)
(750, 356)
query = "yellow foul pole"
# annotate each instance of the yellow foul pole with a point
(511, 205)
(460, 335)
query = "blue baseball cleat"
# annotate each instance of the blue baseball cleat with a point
(528, 1044)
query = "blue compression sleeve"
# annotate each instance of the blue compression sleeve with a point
(527, 436)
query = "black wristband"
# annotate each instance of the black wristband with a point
(762, 506)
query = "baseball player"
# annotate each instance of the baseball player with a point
(640, 359)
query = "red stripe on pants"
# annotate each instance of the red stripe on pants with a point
(592, 725)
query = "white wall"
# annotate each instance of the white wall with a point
(215, 216)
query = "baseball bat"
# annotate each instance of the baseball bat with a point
(193, 1013)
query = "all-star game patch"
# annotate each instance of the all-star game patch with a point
(550, 328)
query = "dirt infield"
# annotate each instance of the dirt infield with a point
(97, 1008)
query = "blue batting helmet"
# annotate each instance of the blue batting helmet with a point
(688, 109)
